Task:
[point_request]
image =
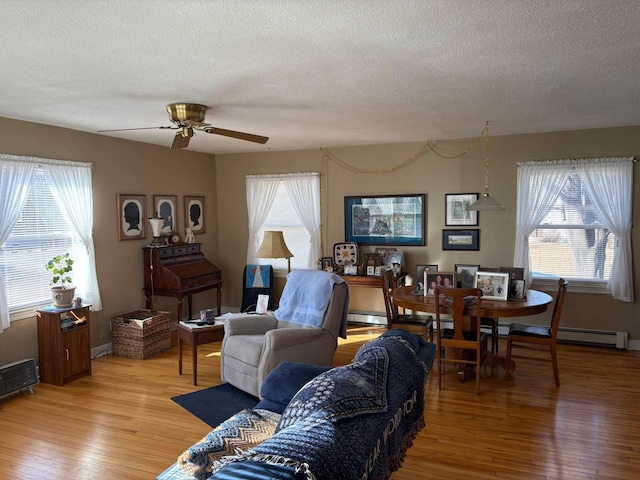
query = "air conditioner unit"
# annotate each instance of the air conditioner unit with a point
(18, 376)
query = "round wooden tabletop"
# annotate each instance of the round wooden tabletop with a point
(536, 302)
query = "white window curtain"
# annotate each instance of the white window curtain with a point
(261, 191)
(71, 184)
(304, 193)
(14, 180)
(609, 184)
(539, 185)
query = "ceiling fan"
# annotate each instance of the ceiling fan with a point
(188, 117)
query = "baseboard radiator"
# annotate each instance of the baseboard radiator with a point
(583, 336)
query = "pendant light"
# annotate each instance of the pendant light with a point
(486, 202)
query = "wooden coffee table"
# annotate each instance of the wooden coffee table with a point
(197, 336)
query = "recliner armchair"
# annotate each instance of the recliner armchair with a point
(253, 345)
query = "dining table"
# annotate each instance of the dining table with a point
(535, 302)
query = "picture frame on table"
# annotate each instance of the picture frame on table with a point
(386, 219)
(132, 216)
(166, 207)
(326, 263)
(516, 291)
(466, 275)
(461, 239)
(515, 273)
(194, 213)
(394, 258)
(494, 285)
(371, 270)
(440, 280)
(372, 259)
(351, 269)
(420, 269)
(382, 251)
(456, 209)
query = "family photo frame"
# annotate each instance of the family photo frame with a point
(438, 280)
(466, 275)
(494, 285)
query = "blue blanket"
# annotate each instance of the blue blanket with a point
(353, 422)
(306, 296)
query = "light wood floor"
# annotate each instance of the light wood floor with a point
(121, 424)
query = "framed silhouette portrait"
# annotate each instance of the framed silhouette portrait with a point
(166, 207)
(131, 216)
(194, 214)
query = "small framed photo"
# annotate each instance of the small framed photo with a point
(378, 271)
(166, 207)
(327, 264)
(382, 251)
(516, 290)
(456, 209)
(394, 258)
(194, 214)
(131, 216)
(351, 269)
(439, 280)
(371, 270)
(372, 259)
(515, 273)
(466, 275)
(494, 285)
(461, 239)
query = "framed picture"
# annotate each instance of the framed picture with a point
(372, 259)
(420, 269)
(351, 270)
(466, 275)
(166, 207)
(385, 219)
(378, 271)
(439, 280)
(456, 209)
(327, 264)
(371, 270)
(461, 239)
(132, 216)
(494, 285)
(194, 214)
(383, 253)
(515, 273)
(516, 290)
(394, 258)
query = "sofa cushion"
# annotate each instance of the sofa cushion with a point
(283, 383)
(244, 430)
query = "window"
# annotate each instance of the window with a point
(289, 203)
(573, 221)
(46, 209)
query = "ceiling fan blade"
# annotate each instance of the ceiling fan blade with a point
(239, 135)
(142, 128)
(180, 141)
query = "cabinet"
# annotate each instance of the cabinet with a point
(63, 344)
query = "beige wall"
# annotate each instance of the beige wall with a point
(119, 167)
(434, 176)
(129, 167)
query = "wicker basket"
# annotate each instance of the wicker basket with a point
(141, 334)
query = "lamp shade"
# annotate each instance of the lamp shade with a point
(486, 203)
(273, 246)
(156, 225)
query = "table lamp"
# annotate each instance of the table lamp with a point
(156, 227)
(274, 246)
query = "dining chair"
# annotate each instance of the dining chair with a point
(459, 345)
(414, 321)
(491, 323)
(537, 337)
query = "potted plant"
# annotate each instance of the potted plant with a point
(61, 291)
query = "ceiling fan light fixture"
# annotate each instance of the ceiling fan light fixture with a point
(486, 202)
(179, 113)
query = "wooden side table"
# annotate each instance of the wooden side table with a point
(195, 336)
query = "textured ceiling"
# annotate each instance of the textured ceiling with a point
(311, 74)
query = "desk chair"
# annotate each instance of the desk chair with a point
(423, 323)
(536, 337)
(458, 345)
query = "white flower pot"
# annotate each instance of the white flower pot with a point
(63, 297)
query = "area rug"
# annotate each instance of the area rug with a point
(215, 404)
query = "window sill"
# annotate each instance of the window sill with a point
(550, 284)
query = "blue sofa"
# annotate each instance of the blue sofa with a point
(319, 423)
